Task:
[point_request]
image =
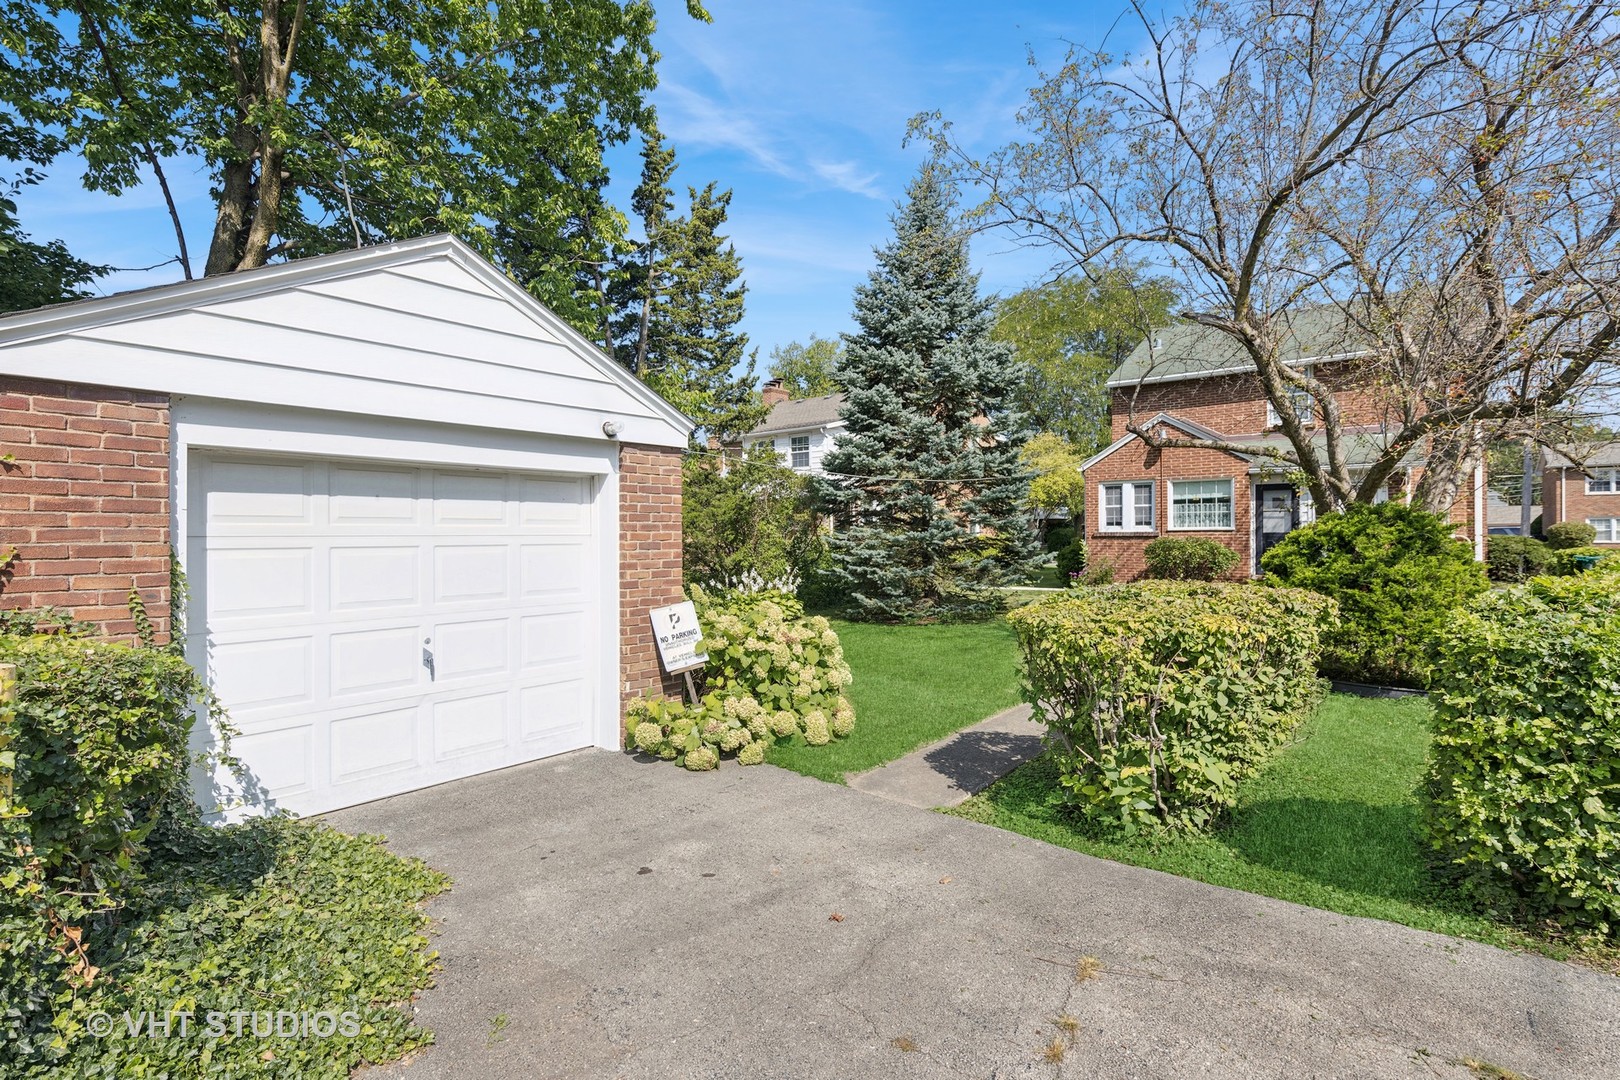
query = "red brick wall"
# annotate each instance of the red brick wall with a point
(1564, 498)
(1137, 461)
(649, 564)
(1235, 404)
(86, 502)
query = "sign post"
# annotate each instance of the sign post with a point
(677, 632)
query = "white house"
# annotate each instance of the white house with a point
(801, 430)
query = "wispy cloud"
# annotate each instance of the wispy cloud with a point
(849, 176)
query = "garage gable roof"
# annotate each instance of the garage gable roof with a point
(419, 329)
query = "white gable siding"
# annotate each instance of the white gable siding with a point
(821, 443)
(439, 336)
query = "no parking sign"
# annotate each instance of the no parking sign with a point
(676, 628)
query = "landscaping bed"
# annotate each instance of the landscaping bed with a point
(1333, 821)
(913, 685)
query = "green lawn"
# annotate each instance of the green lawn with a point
(913, 685)
(1332, 822)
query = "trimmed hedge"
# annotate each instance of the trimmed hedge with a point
(1191, 558)
(1058, 537)
(1570, 534)
(1525, 777)
(1398, 574)
(772, 674)
(1159, 697)
(1515, 558)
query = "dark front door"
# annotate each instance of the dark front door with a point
(1275, 516)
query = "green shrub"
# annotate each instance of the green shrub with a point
(1562, 563)
(272, 915)
(1059, 537)
(750, 523)
(100, 732)
(1570, 534)
(1159, 697)
(1398, 574)
(1071, 560)
(1525, 774)
(1515, 558)
(1189, 558)
(772, 674)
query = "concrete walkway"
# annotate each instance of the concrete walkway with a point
(612, 918)
(948, 772)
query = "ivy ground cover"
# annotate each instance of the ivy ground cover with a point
(1333, 821)
(912, 685)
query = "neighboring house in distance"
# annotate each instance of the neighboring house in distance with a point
(802, 430)
(1503, 518)
(1582, 483)
(1189, 381)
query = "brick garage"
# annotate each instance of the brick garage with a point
(423, 521)
(85, 500)
(650, 549)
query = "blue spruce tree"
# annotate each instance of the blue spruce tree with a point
(925, 484)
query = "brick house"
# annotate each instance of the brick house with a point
(1188, 381)
(1582, 483)
(423, 521)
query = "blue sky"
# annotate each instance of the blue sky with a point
(800, 108)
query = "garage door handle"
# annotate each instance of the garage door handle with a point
(427, 662)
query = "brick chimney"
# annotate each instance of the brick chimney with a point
(774, 393)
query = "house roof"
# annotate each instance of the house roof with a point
(1360, 448)
(420, 329)
(801, 414)
(1499, 512)
(1575, 456)
(1191, 351)
(1197, 431)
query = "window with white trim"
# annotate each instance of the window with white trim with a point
(799, 451)
(1201, 504)
(1304, 405)
(1608, 530)
(1128, 507)
(1603, 481)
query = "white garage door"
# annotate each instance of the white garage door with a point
(374, 629)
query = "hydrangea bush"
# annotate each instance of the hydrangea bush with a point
(772, 674)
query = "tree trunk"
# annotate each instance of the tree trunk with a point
(1453, 456)
(235, 204)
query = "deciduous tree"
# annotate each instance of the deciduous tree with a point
(808, 370)
(1071, 334)
(332, 124)
(1442, 174)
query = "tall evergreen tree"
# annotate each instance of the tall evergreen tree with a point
(695, 357)
(927, 482)
(642, 271)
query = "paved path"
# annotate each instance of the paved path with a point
(948, 772)
(629, 919)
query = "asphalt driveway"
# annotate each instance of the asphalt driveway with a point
(614, 918)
